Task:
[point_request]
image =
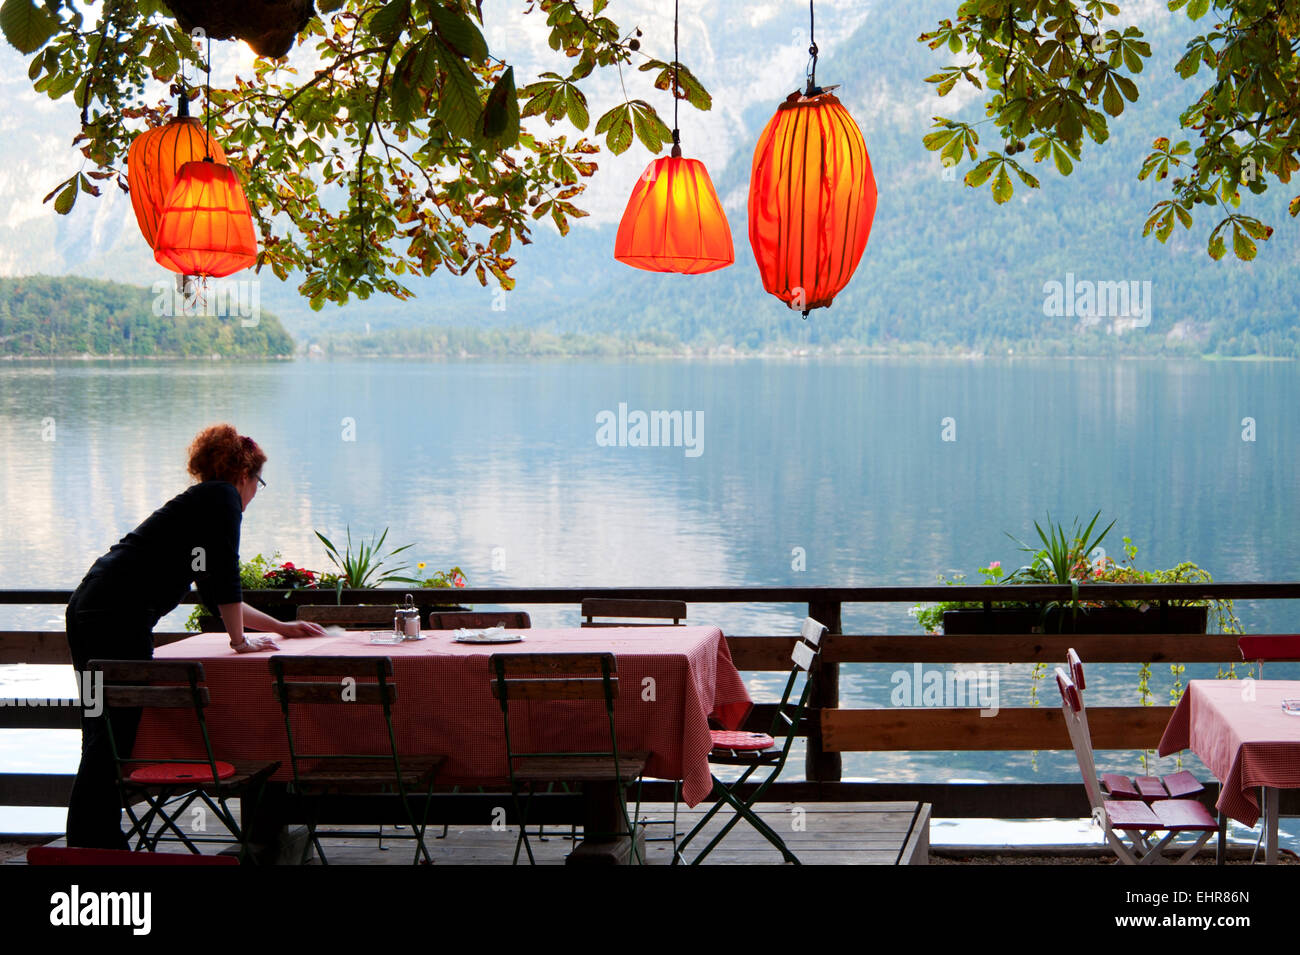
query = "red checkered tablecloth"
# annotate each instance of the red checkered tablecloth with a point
(1239, 731)
(671, 680)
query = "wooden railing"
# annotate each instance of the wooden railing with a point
(830, 729)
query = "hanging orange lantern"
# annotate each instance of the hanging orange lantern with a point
(155, 159)
(812, 195)
(206, 226)
(673, 221)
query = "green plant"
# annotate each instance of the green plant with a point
(253, 575)
(363, 568)
(451, 577)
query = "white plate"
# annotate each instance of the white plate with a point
(489, 635)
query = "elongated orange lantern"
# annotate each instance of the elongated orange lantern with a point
(206, 226)
(673, 221)
(155, 159)
(812, 196)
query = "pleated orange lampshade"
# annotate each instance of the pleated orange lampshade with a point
(206, 226)
(812, 196)
(674, 222)
(155, 159)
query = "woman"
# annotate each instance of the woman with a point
(194, 537)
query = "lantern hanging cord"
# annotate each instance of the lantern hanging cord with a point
(677, 140)
(812, 50)
(207, 139)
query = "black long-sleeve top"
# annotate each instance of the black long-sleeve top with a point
(194, 537)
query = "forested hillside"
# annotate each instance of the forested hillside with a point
(47, 316)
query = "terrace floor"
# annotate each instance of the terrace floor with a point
(849, 833)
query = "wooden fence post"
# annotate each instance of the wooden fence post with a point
(821, 766)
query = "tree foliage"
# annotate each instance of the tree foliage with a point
(1053, 71)
(387, 143)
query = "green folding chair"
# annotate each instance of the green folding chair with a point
(170, 785)
(755, 751)
(317, 774)
(565, 678)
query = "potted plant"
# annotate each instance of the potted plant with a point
(1074, 557)
(260, 573)
(368, 566)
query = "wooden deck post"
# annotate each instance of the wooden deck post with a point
(821, 766)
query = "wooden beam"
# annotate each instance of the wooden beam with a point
(773, 652)
(789, 595)
(51, 646)
(897, 729)
(40, 718)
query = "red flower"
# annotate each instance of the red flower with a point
(289, 566)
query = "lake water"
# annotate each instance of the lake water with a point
(877, 471)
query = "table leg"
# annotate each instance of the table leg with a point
(1221, 852)
(603, 813)
(1271, 805)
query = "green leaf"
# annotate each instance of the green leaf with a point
(1293, 207)
(388, 21)
(1242, 245)
(1062, 160)
(460, 33)
(1111, 100)
(501, 114)
(1216, 248)
(1197, 8)
(577, 104)
(1002, 186)
(328, 6)
(650, 129)
(26, 26)
(63, 204)
(458, 104)
(980, 174)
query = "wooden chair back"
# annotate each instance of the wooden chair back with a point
(134, 683)
(1076, 723)
(554, 676)
(337, 691)
(640, 610)
(510, 619)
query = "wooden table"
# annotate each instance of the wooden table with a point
(672, 680)
(1239, 731)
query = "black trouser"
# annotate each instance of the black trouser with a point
(95, 807)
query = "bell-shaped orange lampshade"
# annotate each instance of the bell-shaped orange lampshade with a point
(674, 222)
(812, 197)
(155, 159)
(206, 226)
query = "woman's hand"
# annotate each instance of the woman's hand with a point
(254, 645)
(301, 628)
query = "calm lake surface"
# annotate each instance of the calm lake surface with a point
(882, 471)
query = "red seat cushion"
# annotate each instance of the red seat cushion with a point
(181, 773)
(1181, 815)
(735, 739)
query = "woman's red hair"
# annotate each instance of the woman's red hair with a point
(219, 453)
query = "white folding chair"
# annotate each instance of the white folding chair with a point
(1135, 819)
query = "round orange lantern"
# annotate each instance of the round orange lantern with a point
(155, 159)
(673, 221)
(206, 226)
(812, 197)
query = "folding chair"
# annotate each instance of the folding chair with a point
(639, 610)
(1136, 819)
(755, 751)
(1177, 785)
(565, 678)
(637, 613)
(510, 619)
(170, 785)
(317, 774)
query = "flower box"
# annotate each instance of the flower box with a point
(1094, 620)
